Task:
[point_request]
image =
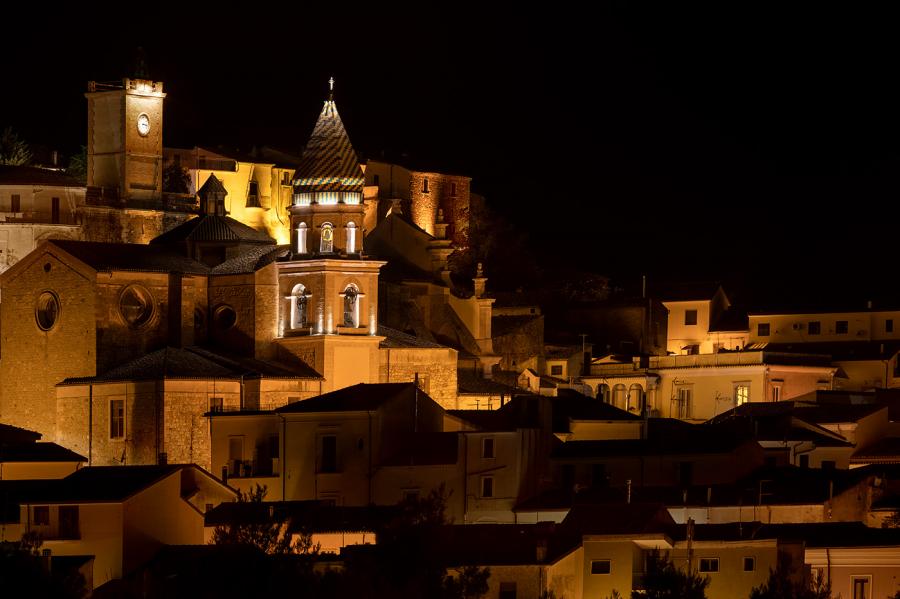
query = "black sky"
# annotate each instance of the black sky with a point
(751, 142)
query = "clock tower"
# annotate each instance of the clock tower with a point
(125, 143)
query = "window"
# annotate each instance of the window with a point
(601, 566)
(804, 461)
(776, 392)
(329, 453)
(507, 590)
(253, 195)
(299, 302)
(136, 306)
(709, 564)
(422, 381)
(41, 515)
(54, 211)
(15, 203)
(47, 310)
(862, 587)
(840, 327)
(301, 238)
(487, 486)
(814, 328)
(116, 418)
(351, 306)
(326, 244)
(741, 394)
(683, 401)
(762, 329)
(224, 317)
(556, 370)
(453, 189)
(235, 455)
(216, 404)
(749, 564)
(286, 178)
(425, 185)
(487, 447)
(68, 522)
(690, 317)
(410, 495)
(351, 238)
(376, 180)
(889, 325)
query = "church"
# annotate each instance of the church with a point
(247, 294)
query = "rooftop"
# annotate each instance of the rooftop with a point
(106, 257)
(31, 175)
(363, 397)
(100, 484)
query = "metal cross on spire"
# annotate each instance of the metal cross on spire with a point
(331, 84)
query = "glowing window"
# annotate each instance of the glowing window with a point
(351, 238)
(741, 394)
(326, 244)
(47, 310)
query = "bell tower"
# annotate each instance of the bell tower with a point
(124, 146)
(328, 288)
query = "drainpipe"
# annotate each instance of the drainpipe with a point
(90, 423)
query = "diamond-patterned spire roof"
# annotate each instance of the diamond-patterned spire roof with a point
(329, 162)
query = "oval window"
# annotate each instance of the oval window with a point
(225, 317)
(136, 305)
(47, 310)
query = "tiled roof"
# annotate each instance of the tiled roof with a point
(101, 483)
(31, 175)
(329, 162)
(397, 339)
(211, 227)
(14, 434)
(627, 518)
(130, 257)
(363, 397)
(470, 382)
(193, 363)
(251, 260)
(38, 452)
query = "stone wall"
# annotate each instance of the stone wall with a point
(117, 225)
(436, 368)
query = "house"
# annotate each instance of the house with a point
(24, 457)
(701, 320)
(120, 515)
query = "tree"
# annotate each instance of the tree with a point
(663, 580)
(471, 583)
(78, 165)
(13, 151)
(176, 179)
(260, 529)
(785, 583)
(25, 573)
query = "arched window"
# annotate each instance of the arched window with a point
(603, 392)
(619, 396)
(351, 306)
(299, 303)
(301, 238)
(351, 238)
(326, 245)
(635, 399)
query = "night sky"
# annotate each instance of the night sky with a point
(755, 144)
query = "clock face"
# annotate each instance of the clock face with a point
(143, 124)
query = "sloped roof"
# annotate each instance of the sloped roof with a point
(130, 257)
(362, 397)
(14, 434)
(628, 518)
(193, 363)
(212, 227)
(32, 175)
(470, 382)
(38, 452)
(397, 339)
(329, 162)
(101, 483)
(251, 260)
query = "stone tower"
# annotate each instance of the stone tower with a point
(328, 289)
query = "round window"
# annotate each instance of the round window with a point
(136, 305)
(225, 317)
(47, 310)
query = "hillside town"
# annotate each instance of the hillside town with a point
(198, 341)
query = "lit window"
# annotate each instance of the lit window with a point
(116, 418)
(601, 566)
(487, 486)
(41, 516)
(814, 328)
(690, 317)
(684, 402)
(302, 230)
(351, 238)
(741, 394)
(762, 329)
(840, 327)
(749, 564)
(326, 246)
(487, 448)
(709, 564)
